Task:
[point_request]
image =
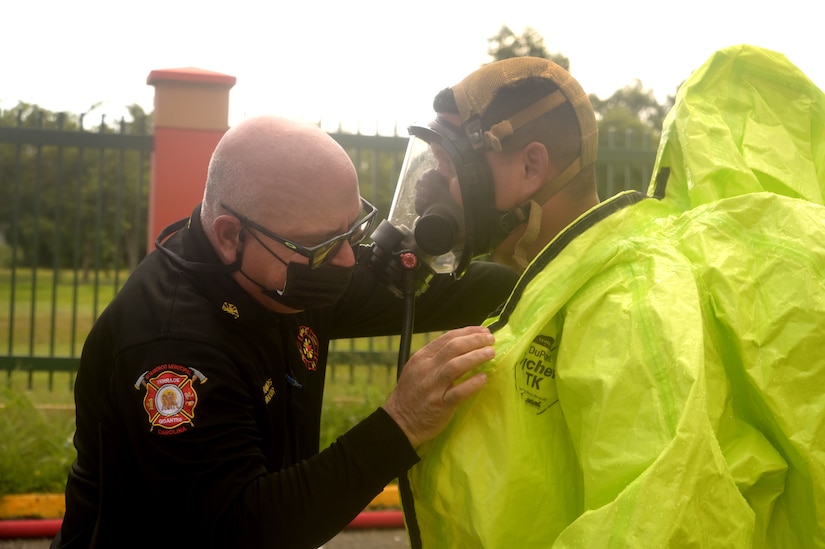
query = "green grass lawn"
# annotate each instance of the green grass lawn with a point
(51, 315)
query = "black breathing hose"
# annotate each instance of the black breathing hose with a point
(410, 263)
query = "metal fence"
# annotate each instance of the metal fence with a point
(73, 210)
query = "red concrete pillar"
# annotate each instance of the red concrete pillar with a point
(191, 114)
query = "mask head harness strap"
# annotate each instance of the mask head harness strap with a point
(475, 94)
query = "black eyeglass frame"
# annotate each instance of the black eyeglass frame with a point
(328, 247)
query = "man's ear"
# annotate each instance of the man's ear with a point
(536, 166)
(229, 236)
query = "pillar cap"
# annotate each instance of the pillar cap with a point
(192, 75)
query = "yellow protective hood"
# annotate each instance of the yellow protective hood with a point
(746, 121)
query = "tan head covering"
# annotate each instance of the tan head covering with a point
(476, 92)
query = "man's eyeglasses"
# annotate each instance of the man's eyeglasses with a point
(325, 251)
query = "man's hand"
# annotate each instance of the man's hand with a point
(427, 394)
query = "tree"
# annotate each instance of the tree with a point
(630, 108)
(70, 206)
(530, 43)
(638, 101)
(623, 141)
(630, 119)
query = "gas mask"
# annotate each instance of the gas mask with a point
(444, 210)
(444, 205)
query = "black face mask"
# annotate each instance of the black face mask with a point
(305, 288)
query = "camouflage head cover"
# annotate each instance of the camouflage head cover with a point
(475, 94)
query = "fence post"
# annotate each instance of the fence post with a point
(191, 114)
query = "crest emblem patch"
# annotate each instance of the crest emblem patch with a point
(170, 397)
(308, 347)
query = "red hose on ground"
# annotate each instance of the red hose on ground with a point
(48, 528)
(34, 528)
(378, 519)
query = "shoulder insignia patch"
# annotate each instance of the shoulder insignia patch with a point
(170, 398)
(308, 347)
(230, 309)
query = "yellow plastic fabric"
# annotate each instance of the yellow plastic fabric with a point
(661, 381)
(745, 145)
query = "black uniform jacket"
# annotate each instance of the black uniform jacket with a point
(198, 411)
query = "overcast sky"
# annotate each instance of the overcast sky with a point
(369, 64)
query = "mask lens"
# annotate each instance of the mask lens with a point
(428, 206)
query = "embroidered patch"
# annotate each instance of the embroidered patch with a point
(269, 390)
(230, 309)
(536, 374)
(308, 347)
(170, 398)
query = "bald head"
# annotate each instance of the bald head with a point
(277, 171)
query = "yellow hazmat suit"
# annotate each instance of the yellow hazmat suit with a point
(660, 366)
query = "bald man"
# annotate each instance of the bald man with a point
(200, 387)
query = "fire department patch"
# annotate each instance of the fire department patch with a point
(308, 347)
(170, 398)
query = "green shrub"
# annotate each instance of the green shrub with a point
(36, 425)
(35, 451)
(345, 405)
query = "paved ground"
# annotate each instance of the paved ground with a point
(370, 539)
(354, 538)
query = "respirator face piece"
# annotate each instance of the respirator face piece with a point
(443, 187)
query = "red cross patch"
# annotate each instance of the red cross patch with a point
(308, 347)
(170, 398)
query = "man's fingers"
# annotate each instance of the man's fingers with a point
(451, 344)
(458, 367)
(463, 354)
(435, 381)
(464, 390)
(453, 340)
